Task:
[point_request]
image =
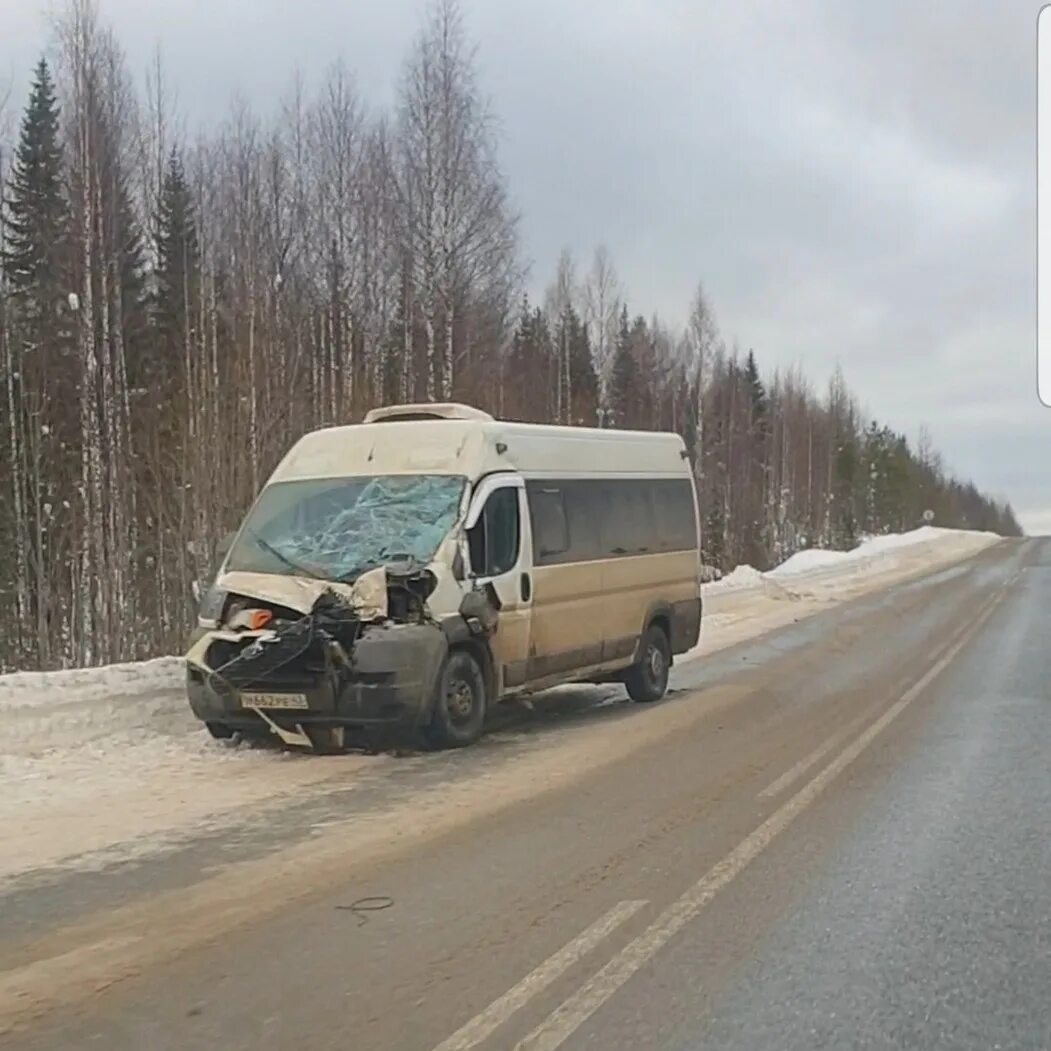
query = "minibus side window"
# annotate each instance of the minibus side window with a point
(673, 503)
(629, 523)
(494, 540)
(550, 526)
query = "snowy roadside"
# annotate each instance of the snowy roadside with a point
(746, 602)
(933, 544)
(100, 757)
(108, 763)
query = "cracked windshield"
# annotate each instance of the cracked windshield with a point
(338, 528)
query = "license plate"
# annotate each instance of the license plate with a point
(273, 700)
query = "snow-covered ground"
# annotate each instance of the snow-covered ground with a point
(870, 555)
(102, 763)
(746, 602)
(98, 757)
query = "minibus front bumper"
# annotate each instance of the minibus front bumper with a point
(388, 681)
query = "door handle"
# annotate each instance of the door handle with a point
(527, 587)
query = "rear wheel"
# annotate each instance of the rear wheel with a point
(647, 681)
(459, 706)
(220, 731)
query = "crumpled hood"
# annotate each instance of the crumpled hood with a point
(368, 594)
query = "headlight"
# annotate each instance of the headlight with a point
(211, 608)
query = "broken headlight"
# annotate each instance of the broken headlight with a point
(211, 608)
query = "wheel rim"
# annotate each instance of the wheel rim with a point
(658, 665)
(459, 700)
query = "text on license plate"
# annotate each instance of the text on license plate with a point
(273, 700)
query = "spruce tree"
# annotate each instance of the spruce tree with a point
(529, 373)
(36, 245)
(519, 371)
(545, 364)
(845, 490)
(624, 376)
(43, 377)
(582, 376)
(177, 277)
(134, 295)
(756, 390)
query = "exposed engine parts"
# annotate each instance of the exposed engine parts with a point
(326, 634)
(409, 585)
(371, 647)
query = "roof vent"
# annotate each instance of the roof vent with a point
(426, 411)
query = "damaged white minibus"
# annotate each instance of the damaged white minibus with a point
(412, 571)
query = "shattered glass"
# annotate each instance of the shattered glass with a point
(337, 528)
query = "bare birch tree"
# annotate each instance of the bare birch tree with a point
(302, 265)
(560, 300)
(459, 234)
(602, 305)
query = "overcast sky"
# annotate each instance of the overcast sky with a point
(852, 181)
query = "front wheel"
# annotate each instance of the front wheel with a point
(459, 706)
(648, 680)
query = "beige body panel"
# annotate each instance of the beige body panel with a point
(635, 585)
(587, 616)
(567, 620)
(473, 445)
(510, 645)
(586, 673)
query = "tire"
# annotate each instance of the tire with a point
(220, 731)
(459, 704)
(647, 681)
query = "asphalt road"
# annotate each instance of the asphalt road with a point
(838, 835)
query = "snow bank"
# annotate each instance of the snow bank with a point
(811, 559)
(45, 712)
(874, 548)
(27, 689)
(870, 552)
(747, 603)
(741, 577)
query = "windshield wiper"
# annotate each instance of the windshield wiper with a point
(292, 564)
(352, 574)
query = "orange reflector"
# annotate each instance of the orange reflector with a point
(259, 618)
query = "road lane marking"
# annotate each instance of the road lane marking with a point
(499, 1011)
(793, 773)
(777, 786)
(935, 669)
(567, 1018)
